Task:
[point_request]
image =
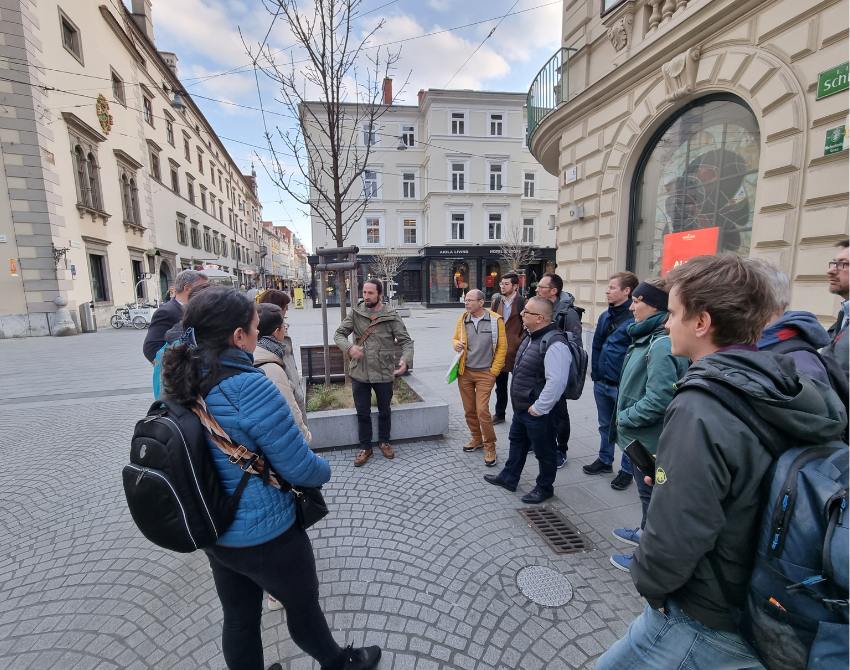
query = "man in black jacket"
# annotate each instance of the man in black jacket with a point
(171, 312)
(703, 518)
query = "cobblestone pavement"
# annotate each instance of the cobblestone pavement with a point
(419, 555)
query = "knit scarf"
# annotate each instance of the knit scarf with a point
(272, 345)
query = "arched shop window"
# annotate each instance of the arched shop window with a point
(694, 189)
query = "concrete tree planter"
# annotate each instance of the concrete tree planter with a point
(338, 427)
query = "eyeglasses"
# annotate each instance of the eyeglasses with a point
(545, 286)
(838, 265)
(526, 312)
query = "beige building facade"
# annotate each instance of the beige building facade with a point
(679, 127)
(111, 180)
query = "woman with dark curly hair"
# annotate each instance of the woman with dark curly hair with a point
(265, 548)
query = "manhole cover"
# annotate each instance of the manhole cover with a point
(544, 586)
(555, 528)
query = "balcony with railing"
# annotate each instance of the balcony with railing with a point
(549, 89)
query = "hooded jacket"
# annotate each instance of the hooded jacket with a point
(802, 327)
(610, 342)
(379, 360)
(566, 315)
(707, 499)
(647, 385)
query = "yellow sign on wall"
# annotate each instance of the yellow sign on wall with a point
(13, 267)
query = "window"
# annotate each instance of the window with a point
(223, 246)
(187, 151)
(71, 37)
(528, 185)
(494, 226)
(156, 171)
(147, 107)
(408, 185)
(458, 123)
(373, 230)
(129, 198)
(408, 231)
(221, 211)
(98, 275)
(195, 234)
(458, 176)
(175, 180)
(528, 231)
(370, 184)
(87, 174)
(212, 172)
(200, 161)
(698, 178)
(219, 180)
(190, 188)
(207, 239)
(408, 136)
(369, 138)
(181, 231)
(458, 226)
(496, 124)
(495, 176)
(204, 198)
(118, 88)
(169, 128)
(234, 251)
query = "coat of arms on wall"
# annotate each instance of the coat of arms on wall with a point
(103, 115)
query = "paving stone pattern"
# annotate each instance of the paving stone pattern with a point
(419, 555)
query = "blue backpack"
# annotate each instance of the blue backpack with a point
(796, 609)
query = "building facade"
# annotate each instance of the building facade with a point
(113, 180)
(681, 127)
(449, 183)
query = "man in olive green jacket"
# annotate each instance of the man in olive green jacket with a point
(377, 328)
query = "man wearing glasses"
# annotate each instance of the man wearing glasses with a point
(508, 304)
(838, 284)
(540, 376)
(480, 339)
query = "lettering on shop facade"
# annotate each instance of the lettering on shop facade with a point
(833, 80)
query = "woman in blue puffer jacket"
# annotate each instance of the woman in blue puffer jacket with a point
(264, 548)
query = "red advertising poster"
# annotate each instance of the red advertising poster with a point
(680, 247)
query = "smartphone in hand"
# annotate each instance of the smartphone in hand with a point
(639, 455)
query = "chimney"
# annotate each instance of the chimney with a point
(421, 96)
(170, 59)
(141, 11)
(388, 91)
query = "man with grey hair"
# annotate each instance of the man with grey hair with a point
(796, 333)
(480, 340)
(171, 312)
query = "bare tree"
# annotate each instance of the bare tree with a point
(387, 266)
(514, 251)
(335, 91)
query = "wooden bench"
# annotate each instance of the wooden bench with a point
(313, 363)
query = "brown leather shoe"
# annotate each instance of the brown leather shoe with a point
(489, 455)
(472, 445)
(362, 456)
(387, 449)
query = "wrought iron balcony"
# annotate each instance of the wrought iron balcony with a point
(549, 89)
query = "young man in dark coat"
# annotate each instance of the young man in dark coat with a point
(706, 506)
(508, 304)
(611, 340)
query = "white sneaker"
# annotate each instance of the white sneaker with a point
(274, 604)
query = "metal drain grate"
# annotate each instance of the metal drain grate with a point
(544, 586)
(556, 529)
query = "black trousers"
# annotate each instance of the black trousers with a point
(562, 425)
(362, 392)
(501, 394)
(285, 568)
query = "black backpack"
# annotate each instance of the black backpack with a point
(171, 484)
(578, 368)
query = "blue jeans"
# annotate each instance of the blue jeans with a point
(675, 641)
(606, 403)
(532, 432)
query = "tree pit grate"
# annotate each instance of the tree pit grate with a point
(558, 532)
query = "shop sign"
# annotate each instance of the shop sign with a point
(833, 80)
(453, 252)
(679, 248)
(835, 141)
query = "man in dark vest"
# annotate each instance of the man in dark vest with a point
(539, 380)
(508, 304)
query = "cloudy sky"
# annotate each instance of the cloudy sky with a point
(205, 35)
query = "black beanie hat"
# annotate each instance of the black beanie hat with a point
(651, 295)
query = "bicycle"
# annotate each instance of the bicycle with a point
(122, 318)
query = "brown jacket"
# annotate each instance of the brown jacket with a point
(513, 327)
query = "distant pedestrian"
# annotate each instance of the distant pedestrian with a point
(567, 317)
(480, 338)
(170, 313)
(251, 293)
(610, 342)
(377, 329)
(508, 304)
(265, 548)
(539, 378)
(838, 284)
(647, 385)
